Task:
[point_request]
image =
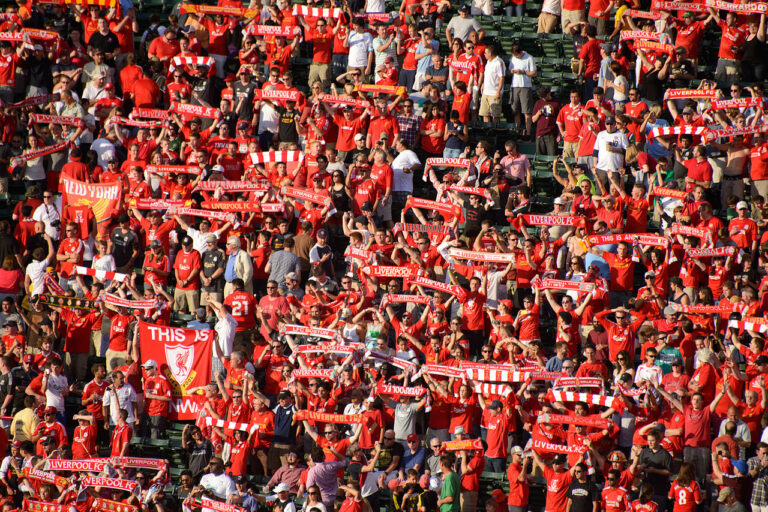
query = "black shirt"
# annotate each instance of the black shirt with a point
(583, 495)
(124, 245)
(107, 43)
(213, 260)
(388, 453)
(244, 93)
(286, 130)
(661, 459)
(20, 380)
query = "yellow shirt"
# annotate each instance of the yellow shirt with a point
(24, 424)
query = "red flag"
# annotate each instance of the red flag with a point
(103, 198)
(184, 357)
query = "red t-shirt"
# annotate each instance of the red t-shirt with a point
(685, 498)
(157, 385)
(93, 388)
(185, 263)
(697, 425)
(498, 429)
(622, 271)
(590, 52)
(84, 442)
(557, 489)
(243, 307)
(121, 436)
(472, 317)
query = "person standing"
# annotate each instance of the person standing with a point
(522, 68)
(157, 396)
(493, 85)
(545, 113)
(239, 265)
(450, 493)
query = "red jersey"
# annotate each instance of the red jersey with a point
(570, 117)
(121, 436)
(96, 390)
(685, 497)
(243, 306)
(614, 499)
(157, 385)
(84, 442)
(557, 489)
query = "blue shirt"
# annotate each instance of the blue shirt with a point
(423, 64)
(285, 431)
(196, 324)
(229, 273)
(411, 460)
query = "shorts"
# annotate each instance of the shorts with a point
(522, 100)
(490, 106)
(217, 296)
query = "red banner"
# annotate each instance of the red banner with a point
(184, 358)
(593, 421)
(303, 414)
(105, 505)
(214, 9)
(461, 445)
(103, 198)
(543, 446)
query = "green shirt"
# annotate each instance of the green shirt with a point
(450, 488)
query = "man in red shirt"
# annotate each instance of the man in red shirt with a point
(614, 498)
(621, 335)
(321, 38)
(558, 481)
(165, 47)
(348, 126)
(9, 59)
(473, 316)
(498, 427)
(589, 60)
(157, 396)
(622, 272)
(569, 121)
(732, 39)
(70, 253)
(743, 230)
(243, 306)
(93, 393)
(187, 268)
(84, 436)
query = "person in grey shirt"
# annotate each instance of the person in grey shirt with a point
(405, 417)
(460, 26)
(214, 264)
(283, 262)
(432, 462)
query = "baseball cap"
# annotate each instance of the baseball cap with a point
(677, 361)
(496, 404)
(687, 14)
(412, 437)
(108, 86)
(367, 206)
(724, 494)
(156, 212)
(516, 450)
(610, 120)
(650, 274)
(230, 78)
(687, 110)
(29, 358)
(322, 234)
(464, 8)
(498, 496)
(608, 47)
(155, 244)
(742, 205)
(389, 60)
(186, 241)
(669, 310)
(150, 363)
(49, 439)
(559, 200)
(359, 136)
(11, 323)
(200, 311)
(50, 410)
(240, 479)
(507, 303)
(217, 168)
(243, 125)
(560, 458)
(282, 487)
(459, 430)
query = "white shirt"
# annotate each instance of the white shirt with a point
(105, 150)
(198, 239)
(268, 119)
(360, 45)
(105, 263)
(493, 76)
(225, 328)
(523, 63)
(56, 385)
(607, 160)
(647, 372)
(36, 272)
(401, 181)
(222, 486)
(551, 7)
(127, 397)
(48, 214)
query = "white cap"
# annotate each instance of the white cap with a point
(359, 136)
(217, 168)
(282, 487)
(150, 363)
(742, 205)
(559, 200)
(38, 47)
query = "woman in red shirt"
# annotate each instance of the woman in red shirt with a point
(685, 492)
(432, 131)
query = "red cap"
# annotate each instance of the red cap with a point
(498, 496)
(29, 358)
(230, 78)
(109, 87)
(50, 410)
(412, 437)
(507, 303)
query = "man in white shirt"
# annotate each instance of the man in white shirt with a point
(403, 166)
(360, 44)
(36, 269)
(126, 398)
(493, 85)
(610, 145)
(218, 482)
(649, 371)
(522, 68)
(48, 214)
(225, 331)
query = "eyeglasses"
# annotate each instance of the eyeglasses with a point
(486, 351)
(49, 196)
(649, 356)
(236, 397)
(412, 442)
(389, 438)
(620, 317)
(621, 358)
(329, 432)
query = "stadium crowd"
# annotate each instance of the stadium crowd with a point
(392, 309)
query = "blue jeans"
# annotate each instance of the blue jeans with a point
(515, 10)
(451, 153)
